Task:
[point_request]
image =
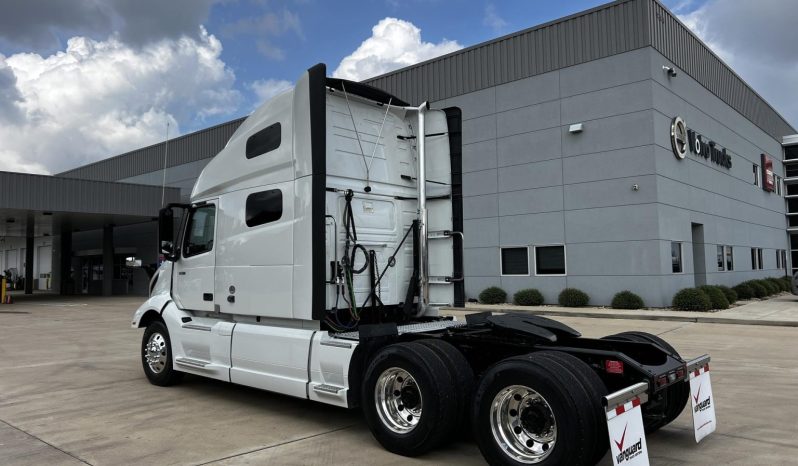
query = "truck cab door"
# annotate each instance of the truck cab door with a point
(194, 270)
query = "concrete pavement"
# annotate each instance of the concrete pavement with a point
(72, 391)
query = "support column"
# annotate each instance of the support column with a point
(108, 260)
(62, 263)
(29, 256)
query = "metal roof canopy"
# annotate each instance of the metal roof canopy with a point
(42, 205)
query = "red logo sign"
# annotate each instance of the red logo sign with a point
(620, 444)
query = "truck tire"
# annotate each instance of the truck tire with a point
(463, 376)
(595, 389)
(408, 399)
(156, 356)
(532, 409)
(675, 396)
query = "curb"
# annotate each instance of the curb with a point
(611, 315)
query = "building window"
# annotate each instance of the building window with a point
(550, 260)
(756, 259)
(784, 259)
(757, 177)
(264, 207)
(265, 140)
(721, 261)
(199, 234)
(676, 257)
(777, 184)
(515, 261)
(729, 258)
(778, 258)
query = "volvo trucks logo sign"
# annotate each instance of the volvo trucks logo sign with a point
(679, 138)
(683, 139)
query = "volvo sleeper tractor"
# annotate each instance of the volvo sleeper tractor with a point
(313, 259)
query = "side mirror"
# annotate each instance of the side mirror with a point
(166, 232)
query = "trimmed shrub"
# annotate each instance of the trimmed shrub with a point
(627, 300)
(760, 291)
(528, 297)
(716, 297)
(787, 281)
(572, 297)
(731, 295)
(778, 285)
(744, 291)
(493, 295)
(770, 287)
(691, 299)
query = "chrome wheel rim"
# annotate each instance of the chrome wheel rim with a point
(398, 400)
(155, 353)
(523, 424)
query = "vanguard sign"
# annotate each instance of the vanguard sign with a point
(684, 139)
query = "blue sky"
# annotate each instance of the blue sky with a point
(88, 79)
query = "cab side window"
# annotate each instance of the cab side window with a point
(199, 233)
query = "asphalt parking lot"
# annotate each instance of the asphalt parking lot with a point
(72, 391)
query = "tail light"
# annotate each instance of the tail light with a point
(612, 366)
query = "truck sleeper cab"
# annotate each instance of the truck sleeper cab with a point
(312, 260)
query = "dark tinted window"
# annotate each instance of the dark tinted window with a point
(515, 261)
(263, 141)
(264, 207)
(676, 257)
(550, 260)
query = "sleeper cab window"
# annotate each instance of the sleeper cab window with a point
(265, 140)
(264, 207)
(199, 234)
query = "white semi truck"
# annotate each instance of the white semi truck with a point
(313, 258)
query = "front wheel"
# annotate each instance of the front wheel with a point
(156, 356)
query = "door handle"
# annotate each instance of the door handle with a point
(207, 296)
(181, 273)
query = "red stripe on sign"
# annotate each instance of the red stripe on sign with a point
(635, 402)
(706, 368)
(619, 410)
(696, 373)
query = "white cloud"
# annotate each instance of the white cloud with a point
(266, 89)
(100, 98)
(757, 40)
(493, 20)
(394, 43)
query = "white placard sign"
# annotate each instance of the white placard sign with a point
(702, 402)
(627, 436)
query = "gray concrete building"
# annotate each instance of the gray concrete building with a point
(605, 151)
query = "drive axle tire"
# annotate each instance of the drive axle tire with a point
(408, 399)
(463, 376)
(595, 389)
(156, 356)
(675, 396)
(533, 410)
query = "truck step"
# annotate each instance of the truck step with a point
(193, 363)
(326, 388)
